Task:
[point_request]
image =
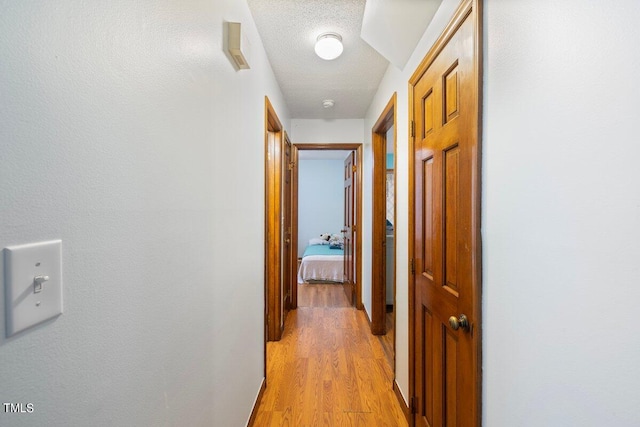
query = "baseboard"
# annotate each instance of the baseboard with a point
(256, 404)
(364, 310)
(403, 404)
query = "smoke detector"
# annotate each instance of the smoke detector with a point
(328, 103)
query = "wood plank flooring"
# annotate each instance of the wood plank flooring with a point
(386, 340)
(321, 295)
(327, 370)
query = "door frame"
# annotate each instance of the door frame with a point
(357, 147)
(273, 139)
(350, 166)
(379, 131)
(464, 10)
(289, 259)
(294, 228)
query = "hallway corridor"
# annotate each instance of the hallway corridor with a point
(327, 370)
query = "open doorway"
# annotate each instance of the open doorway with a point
(281, 222)
(384, 229)
(336, 212)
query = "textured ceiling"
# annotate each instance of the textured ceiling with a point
(289, 29)
(394, 27)
(323, 154)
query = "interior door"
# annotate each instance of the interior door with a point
(348, 231)
(446, 295)
(287, 258)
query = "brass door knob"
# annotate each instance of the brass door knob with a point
(457, 323)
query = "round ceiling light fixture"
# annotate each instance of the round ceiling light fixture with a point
(328, 103)
(329, 46)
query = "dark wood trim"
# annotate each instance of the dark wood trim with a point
(464, 10)
(403, 404)
(289, 260)
(477, 203)
(357, 147)
(273, 229)
(359, 177)
(256, 404)
(411, 251)
(378, 233)
(294, 226)
(324, 146)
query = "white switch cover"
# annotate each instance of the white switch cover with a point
(33, 284)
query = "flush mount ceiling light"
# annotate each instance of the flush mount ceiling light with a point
(328, 103)
(329, 46)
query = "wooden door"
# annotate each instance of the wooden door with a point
(348, 230)
(446, 253)
(287, 258)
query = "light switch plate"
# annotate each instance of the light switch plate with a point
(30, 301)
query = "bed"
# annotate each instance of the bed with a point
(321, 263)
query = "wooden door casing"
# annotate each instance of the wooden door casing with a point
(385, 122)
(445, 251)
(288, 276)
(294, 227)
(273, 225)
(356, 243)
(347, 231)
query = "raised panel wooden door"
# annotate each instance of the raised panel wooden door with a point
(446, 230)
(348, 232)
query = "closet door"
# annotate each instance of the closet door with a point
(445, 294)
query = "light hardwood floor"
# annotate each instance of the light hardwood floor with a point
(386, 340)
(327, 370)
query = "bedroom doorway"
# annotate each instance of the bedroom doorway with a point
(352, 237)
(383, 287)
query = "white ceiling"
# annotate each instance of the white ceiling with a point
(383, 18)
(323, 154)
(289, 29)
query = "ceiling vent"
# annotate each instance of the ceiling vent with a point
(236, 42)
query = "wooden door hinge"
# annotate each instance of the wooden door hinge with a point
(353, 228)
(354, 168)
(291, 165)
(412, 405)
(413, 129)
(413, 267)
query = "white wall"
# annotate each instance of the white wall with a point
(396, 80)
(320, 199)
(326, 131)
(119, 131)
(561, 213)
